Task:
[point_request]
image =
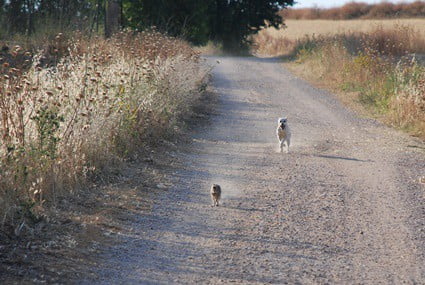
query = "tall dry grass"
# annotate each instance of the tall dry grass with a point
(72, 112)
(380, 66)
(356, 10)
(273, 42)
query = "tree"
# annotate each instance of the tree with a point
(185, 18)
(227, 21)
(235, 20)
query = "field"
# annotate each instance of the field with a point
(359, 10)
(272, 42)
(297, 29)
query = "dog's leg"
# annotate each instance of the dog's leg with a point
(281, 145)
(287, 146)
(288, 142)
(213, 201)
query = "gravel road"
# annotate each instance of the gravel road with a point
(344, 206)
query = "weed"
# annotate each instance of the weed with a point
(82, 105)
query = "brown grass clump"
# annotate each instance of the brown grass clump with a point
(98, 102)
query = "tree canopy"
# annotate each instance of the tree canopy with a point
(226, 21)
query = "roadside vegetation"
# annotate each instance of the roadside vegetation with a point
(382, 68)
(77, 108)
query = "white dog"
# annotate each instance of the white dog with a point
(215, 194)
(283, 134)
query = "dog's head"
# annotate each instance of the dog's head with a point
(282, 123)
(215, 188)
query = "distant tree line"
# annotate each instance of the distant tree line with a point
(226, 21)
(359, 10)
(28, 16)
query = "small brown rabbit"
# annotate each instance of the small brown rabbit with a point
(215, 194)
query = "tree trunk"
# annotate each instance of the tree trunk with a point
(112, 17)
(30, 17)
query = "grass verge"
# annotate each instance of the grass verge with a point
(74, 111)
(377, 69)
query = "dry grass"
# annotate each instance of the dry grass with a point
(93, 103)
(272, 42)
(359, 10)
(297, 29)
(211, 48)
(377, 65)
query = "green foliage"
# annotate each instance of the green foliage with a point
(48, 122)
(186, 18)
(31, 16)
(226, 21)
(234, 20)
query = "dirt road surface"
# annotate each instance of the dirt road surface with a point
(344, 206)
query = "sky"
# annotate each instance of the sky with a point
(336, 3)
